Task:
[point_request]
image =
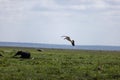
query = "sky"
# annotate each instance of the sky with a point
(88, 22)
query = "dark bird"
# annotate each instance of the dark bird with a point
(1, 55)
(69, 39)
(23, 54)
(40, 50)
(99, 68)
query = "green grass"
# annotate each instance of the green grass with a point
(58, 64)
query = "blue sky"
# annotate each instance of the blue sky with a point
(88, 22)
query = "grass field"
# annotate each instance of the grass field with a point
(58, 64)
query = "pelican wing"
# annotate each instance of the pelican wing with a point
(67, 38)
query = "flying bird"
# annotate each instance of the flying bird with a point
(69, 39)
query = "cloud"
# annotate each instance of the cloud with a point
(21, 10)
(22, 6)
(76, 5)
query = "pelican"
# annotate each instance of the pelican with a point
(69, 39)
